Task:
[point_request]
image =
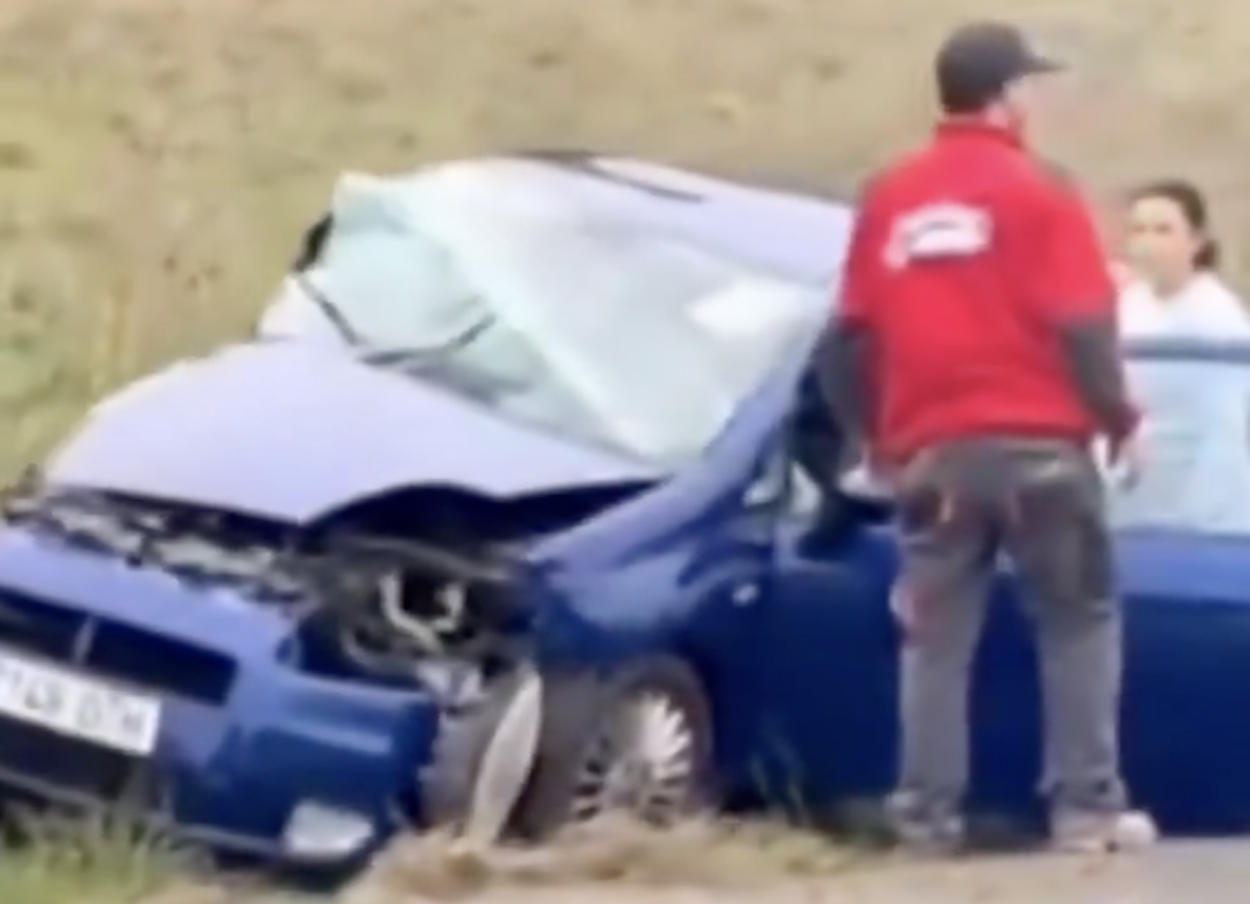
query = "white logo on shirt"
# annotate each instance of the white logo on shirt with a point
(938, 231)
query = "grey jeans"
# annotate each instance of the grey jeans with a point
(1041, 502)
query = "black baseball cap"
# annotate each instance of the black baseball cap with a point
(979, 60)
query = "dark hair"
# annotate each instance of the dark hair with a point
(1192, 204)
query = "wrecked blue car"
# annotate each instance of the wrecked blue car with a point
(520, 508)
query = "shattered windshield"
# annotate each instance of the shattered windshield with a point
(1195, 402)
(497, 285)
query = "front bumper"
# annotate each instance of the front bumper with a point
(284, 766)
(295, 794)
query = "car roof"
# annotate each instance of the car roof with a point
(797, 236)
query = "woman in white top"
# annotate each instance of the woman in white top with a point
(1197, 471)
(1173, 288)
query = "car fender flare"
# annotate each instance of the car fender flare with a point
(605, 617)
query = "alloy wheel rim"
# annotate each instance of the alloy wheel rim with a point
(643, 762)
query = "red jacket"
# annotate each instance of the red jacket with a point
(978, 282)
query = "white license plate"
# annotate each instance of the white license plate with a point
(79, 707)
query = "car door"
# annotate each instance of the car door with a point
(822, 661)
(1187, 676)
(825, 663)
(828, 659)
(828, 653)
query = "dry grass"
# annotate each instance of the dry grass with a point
(158, 157)
(725, 857)
(105, 865)
(62, 860)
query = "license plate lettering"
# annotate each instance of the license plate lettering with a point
(78, 706)
(91, 714)
(42, 697)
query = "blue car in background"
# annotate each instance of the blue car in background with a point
(520, 508)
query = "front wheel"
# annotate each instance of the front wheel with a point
(637, 741)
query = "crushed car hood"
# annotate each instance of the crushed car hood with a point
(291, 432)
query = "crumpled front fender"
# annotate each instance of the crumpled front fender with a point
(607, 616)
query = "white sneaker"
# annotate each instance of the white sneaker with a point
(1092, 832)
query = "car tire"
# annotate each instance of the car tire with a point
(581, 712)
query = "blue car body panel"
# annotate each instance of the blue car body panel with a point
(829, 625)
(794, 643)
(665, 566)
(230, 768)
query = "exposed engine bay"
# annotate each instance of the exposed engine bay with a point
(400, 612)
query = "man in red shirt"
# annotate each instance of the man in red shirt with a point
(975, 353)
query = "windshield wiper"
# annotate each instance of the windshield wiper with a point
(431, 355)
(328, 309)
(419, 358)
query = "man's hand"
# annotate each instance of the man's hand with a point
(867, 481)
(1126, 459)
(1131, 457)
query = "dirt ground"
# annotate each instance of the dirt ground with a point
(1219, 873)
(785, 871)
(158, 158)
